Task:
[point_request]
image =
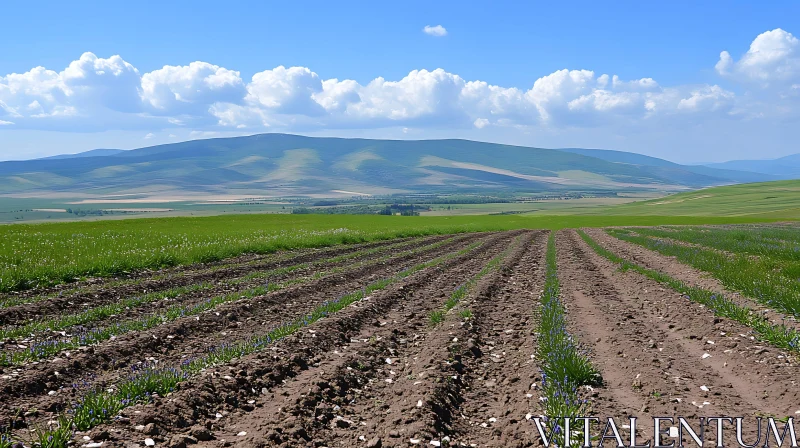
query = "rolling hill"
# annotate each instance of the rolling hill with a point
(775, 200)
(690, 174)
(784, 167)
(290, 165)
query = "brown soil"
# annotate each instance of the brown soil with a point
(28, 385)
(649, 345)
(303, 360)
(685, 273)
(102, 291)
(379, 374)
(222, 287)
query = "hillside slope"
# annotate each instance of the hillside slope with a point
(283, 165)
(697, 175)
(779, 200)
(784, 167)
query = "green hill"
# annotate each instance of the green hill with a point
(774, 200)
(289, 165)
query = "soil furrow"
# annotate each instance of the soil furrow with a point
(359, 394)
(192, 335)
(503, 389)
(161, 280)
(230, 387)
(650, 345)
(685, 273)
(188, 299)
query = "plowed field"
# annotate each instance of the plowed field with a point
(430, 341)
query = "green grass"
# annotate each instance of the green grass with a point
(778, 242)
(768, 200)
(771, 282)
(34, 255)
(565, 367)
(777, 335)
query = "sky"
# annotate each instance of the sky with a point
(688, 81)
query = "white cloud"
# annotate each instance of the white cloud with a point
(95, 94)
(437, 31)
(6, 123)
(773, 57)
(191, 88)
(149, 136)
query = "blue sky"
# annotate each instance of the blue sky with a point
(528, 73)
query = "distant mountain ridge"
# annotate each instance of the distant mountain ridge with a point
(92, 153)
(785, 167)
(666, 168)
(288, 165)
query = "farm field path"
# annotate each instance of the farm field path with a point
(650, 345)
(685, 273)
(314, 360)
(27, 386)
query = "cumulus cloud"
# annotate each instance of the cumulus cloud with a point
(95, 93)
(773, 57)
(190, 88)
(286, 91)
(437, 31)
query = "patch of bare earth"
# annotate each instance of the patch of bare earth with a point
(287, 374)
(662, 355)
(28, 387)
(685, 273)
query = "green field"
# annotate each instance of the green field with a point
(39, 254)
(778, 200)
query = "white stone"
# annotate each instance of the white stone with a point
(149, 442)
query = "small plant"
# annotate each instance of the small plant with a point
(5, 441)
(465, 313)
(55, 436)
(436, 317)
(565, 367)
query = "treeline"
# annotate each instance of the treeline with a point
(394, 209)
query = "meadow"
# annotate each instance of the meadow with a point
(33, 255)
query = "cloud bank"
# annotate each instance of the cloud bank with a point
(99, 94)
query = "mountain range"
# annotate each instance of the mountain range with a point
(786, 167)
(291, 165)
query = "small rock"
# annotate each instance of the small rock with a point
(150, 429)
(242, 434)
(202, 434)
(99, 435)
(149, 442)
(375, 443)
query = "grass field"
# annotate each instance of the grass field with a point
(41, 254)
(779, 200)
